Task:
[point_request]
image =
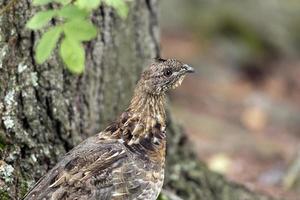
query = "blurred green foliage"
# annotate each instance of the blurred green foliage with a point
(248, 29)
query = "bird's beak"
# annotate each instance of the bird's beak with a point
(187, 69)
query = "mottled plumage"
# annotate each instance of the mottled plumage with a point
(125, 161)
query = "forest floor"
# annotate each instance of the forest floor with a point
(243, 127)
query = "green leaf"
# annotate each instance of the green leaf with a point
(47, 44)
(40, 19)
(80, 29)
(41, 2)
(88, 4)
(73, 55)
(120, 6)
(72, 12)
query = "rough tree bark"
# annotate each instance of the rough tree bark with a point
(45, 110)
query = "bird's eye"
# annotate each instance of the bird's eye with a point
(168, 72)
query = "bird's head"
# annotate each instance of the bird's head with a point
(163, 75)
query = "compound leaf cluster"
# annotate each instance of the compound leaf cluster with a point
(72, 28)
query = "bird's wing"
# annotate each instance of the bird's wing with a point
(94, 169)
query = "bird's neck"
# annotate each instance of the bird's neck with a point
(146, 105)
(147, 125)
(142, 126)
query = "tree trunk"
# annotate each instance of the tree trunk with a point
(45, 110)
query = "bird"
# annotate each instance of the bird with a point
(126, 160)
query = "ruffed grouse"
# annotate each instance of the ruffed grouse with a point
(125, 161)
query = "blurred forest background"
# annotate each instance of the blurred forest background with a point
(241, 109)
